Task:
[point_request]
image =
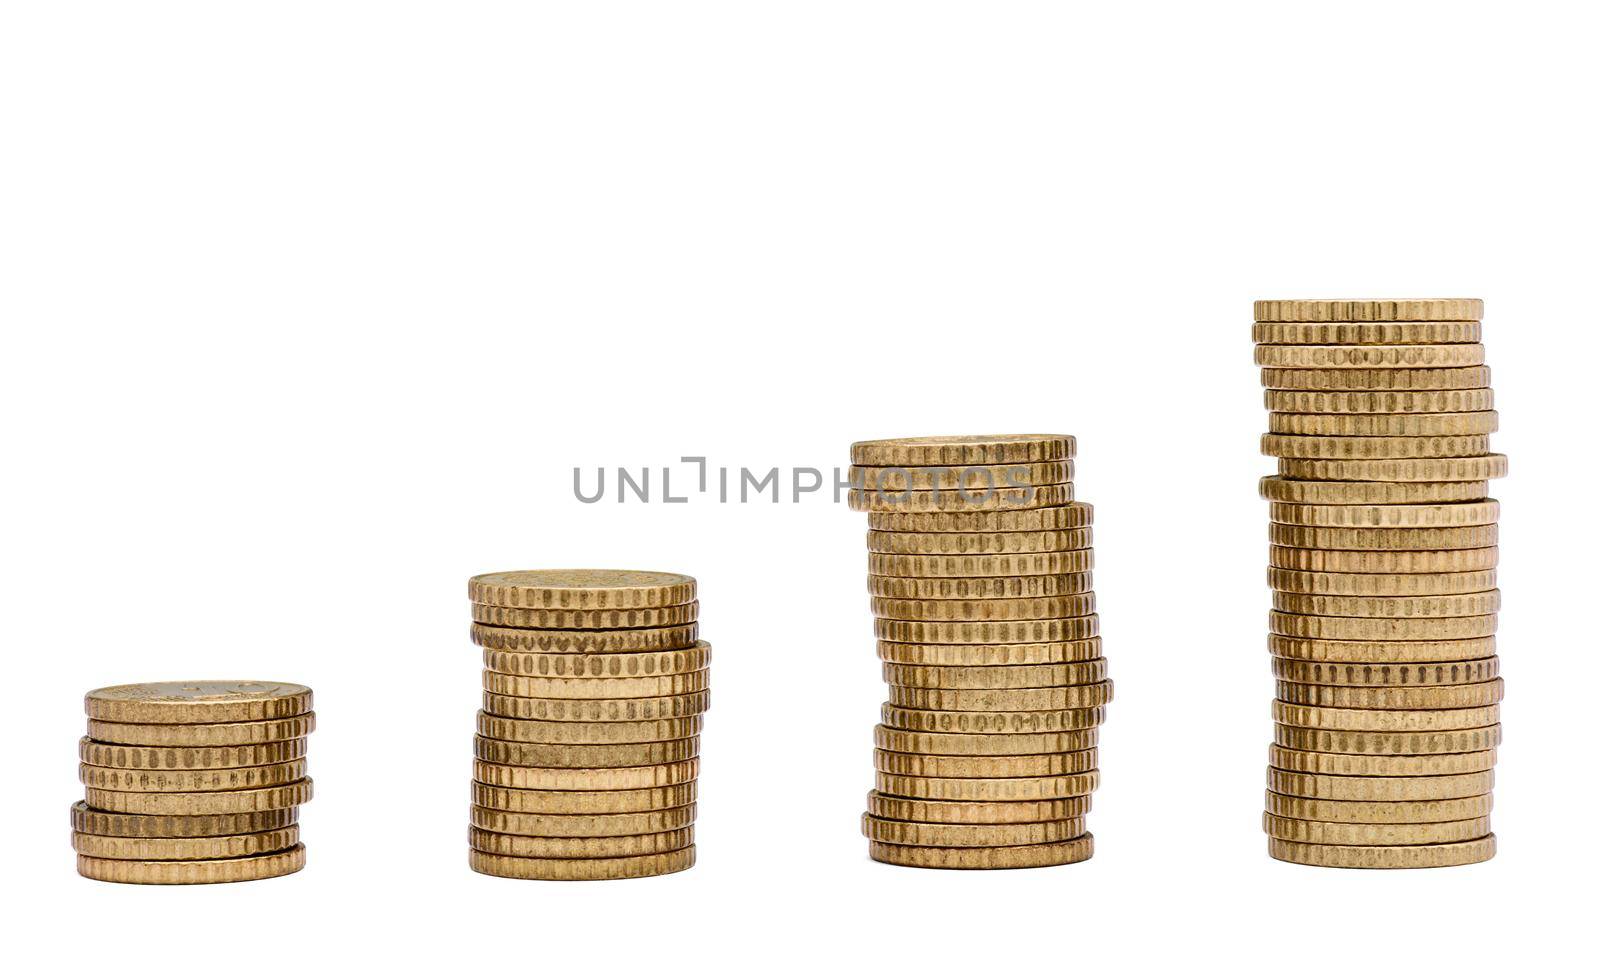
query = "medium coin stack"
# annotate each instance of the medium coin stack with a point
(588, 744)
(980, 575)
(1383, 553)
(193, 782)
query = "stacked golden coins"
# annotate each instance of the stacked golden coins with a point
(193, 782)
(588, 744)
(1383, 576)
(980, 574)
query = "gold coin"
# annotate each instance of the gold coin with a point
(1390, 378)
(589, 688)
(1373, 834)
(976, 813)
(962, 450)
(1369, 334)
(985, 858)
(1035, 765)
(988, 655)
(958, 566)
(586, 619)
(592, 711)
(988, 788)
(583, 825)
(1325, 787)
(641, 640)
(1068, 516)
(1381, 584)
(1388, 516)
(1385, 721)
(133, 825)
(581, 589)
(606, 666)
(1384, 424)
(1385, 561)
(1384, 858)
(970, 835)
(977, 476)
(1451, 605)
(1012, 721)
(1381, 811)
(186, 848)
(984, 744)
(1375, 743)
(607, 868)
(197, 701)
(1444, 673)
(260, 867)
(1380, 651)
(200, 804)
(1447, 539)
(602, 732)
(1383, 628)
(1430, 470)
(1379, 401)
(979, 588)
(968, 499)
(999, 701)
(942, 544)
(1293, 447)
(1367, 311)
(566, 848)
(1054, 630)
(1360, 357)
(1340, 492)
(1366, 765)
(583, 802)
(993, 678)
(513, 753)
(1455, 697)
(1013, 608)
(191, 781)
(570, 778)
(129, 757)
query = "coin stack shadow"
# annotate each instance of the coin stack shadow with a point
(980, 576)
(1383, 553)
(595, 685)
(193, 782)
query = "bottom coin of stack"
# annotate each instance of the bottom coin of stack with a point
(588, 744)
(193, 782)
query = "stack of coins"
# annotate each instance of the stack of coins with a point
(193, 782)
(1383, 576)
(980, 574)
(588, 743)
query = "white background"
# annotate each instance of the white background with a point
(311, 309)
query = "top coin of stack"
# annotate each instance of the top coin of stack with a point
(588, 742)
(193, 782)
(1383, 575)
(979, 567)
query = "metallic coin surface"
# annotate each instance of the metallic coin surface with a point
(1381, 584)
(191, 781)
(985, 858)
(1395, 743)
(970, 835)
(595, 688)
(652, 663)
(1369, 765)
(583, 825)
(197, 701)
(626, 640)
(1049, 630)
(1439, 469)
(583, 802)
(1300, 447)
(1030, 765)
(1384, 561)
(200, 804)
(132, 757)
(584, 619)
(1384, 721)
(956, 544)
(202, 734)
(979, 588)
(984, 744)
(961, 499)
(587, 779)
(1457, 697)
(1029, 608)
(1004, 721)
(134, 825)
(591, 711)
(976, 812)
(1399, 516)
(1365, 493)
(988, 655)
(517, 754)
(1374, 834)
(1382, 858)
(567, 848)
(581, 589)
(1380, 651)
(1440, 673)
(1382, 628)
(988, 788)
(962, 477)
(1367, 311)
(980, 565)
(1328, 787)
(1380, 811)
(995, 678)
(1065, 517)
(1384, 538)
(579, 732)
(1369, 334)
(962, 450)
(1364, 357)
(1380, 401)
(260, 867)
(186, 848)
(607, 868)
(1025, 699)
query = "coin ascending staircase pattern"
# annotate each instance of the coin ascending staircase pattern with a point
(193, 781)
(1383, 552)
(979, 567)
(588, 745)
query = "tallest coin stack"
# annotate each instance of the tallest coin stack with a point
(1383, 576)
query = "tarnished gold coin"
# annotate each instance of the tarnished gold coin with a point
(984, 744)
(608, 666)
(567, 848)
(1052, 630)
(1380, 401)
(1403, 516)
(1439, 605)
(977, 476)
(1031, 765)
(988, 788)
(200, 804)
(571, 778)
(261, 867)
(1381, 584)
(1432, 470)
(606, 868)
(134, 825)
(1359, 357)
(1382, 628)
(1022, 700)
(638, 640)
(1069, 516)
(596, 732)
(1014, 608)
(1373, 834)
(1339, 492)
(186, 848)
(584, 802)
(979, 588)
(1389, 378)
(988, 655)
(191, 781)
(1383, 858)
(962, 450)
(1386, 765)
(130, 757)
(197, 701)
(202, 734)
(609, 620)
(1369, 334)
(947, 544)
(1385, 424)
(581, 589)
(960, 566)
(1367, 311)
(1384, 561)
(995, 678)
(596, 688)
(1381, 811)
(1001, 721)
(977, 813)
(592, 711)
(1384, 721)
(1393, 698)
(1442, 673)
(962, 499)
(1380, 651)
(1295, 447)
(583, 825)
(1325, 787)
(516, 754)
(970, 835)
(1406, 539)
(1375, 743)
(984, 858)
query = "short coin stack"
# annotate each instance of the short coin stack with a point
(980, 576)
(193, 782)
(588, 743)
(1383, 575)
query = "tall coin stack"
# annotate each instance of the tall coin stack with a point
(588, 743)
(980, 574)
(1383, 577)
(193, 782)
